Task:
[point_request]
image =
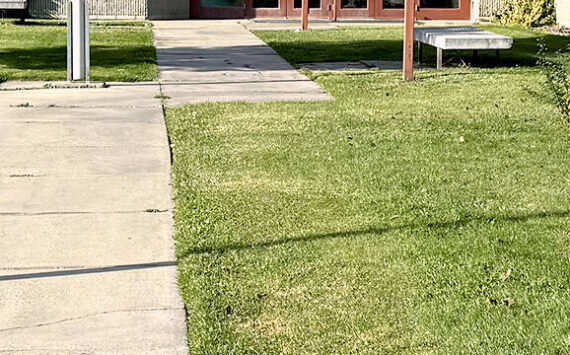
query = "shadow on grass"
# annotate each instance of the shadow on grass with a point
(373, 230)
(339, 51)
(40, 24)
(306, 238)
(54, 58)
(523, 52)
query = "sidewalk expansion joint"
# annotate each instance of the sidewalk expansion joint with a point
(92, 315)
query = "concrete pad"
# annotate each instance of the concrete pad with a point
(79, 134)
(234, 62)
(142, 332)
(84, 194)
(78, 161)
(139, 96)
(81, 114)
(201, 49)
(180, 94)
(135, 311)
(335, 66)
(67, 295)
(84, 240)
(351, 66)
(171, 76)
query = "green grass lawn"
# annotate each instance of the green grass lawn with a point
(38, 51)
(424, 217)
(385, 43)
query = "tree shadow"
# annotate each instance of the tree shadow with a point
(32, 23)
(378, 231)
(339, 51)
(55, 58)
(523, 53)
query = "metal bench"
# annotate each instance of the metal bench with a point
(460, 39)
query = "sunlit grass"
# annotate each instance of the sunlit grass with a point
(37, 51)
(424, 217)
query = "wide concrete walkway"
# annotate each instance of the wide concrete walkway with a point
(221, 61)
(87, 263)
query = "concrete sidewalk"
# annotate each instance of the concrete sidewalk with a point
(221, 61)
(87, 261)
(86, 227)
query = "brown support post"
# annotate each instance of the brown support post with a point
(336, 6)
(409, 19)
(305, 15)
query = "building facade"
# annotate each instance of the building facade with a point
(450, 10)
(330, 9)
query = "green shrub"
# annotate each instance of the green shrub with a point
(530, 13)
(556, 68)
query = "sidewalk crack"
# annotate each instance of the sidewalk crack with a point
(39, 325)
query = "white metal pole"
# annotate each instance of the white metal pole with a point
(78, 41)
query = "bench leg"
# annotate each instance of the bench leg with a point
(439, 58)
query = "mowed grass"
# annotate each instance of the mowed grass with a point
(38, 51)
(385, 43)
(424, 217)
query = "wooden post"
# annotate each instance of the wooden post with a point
(305, 16)
(335, 10)
(409, 22)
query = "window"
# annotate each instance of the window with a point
(273, 4)
(426, 4)
(353, 4)
(439, 4)
(222, 3)
(393, 4)
(313, 4)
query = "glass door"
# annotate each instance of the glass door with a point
(318, 9)
(266, 8)
(452, 10)
(219, 9)
(356, 8)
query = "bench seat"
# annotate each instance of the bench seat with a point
(13, 4)
(460, 38)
